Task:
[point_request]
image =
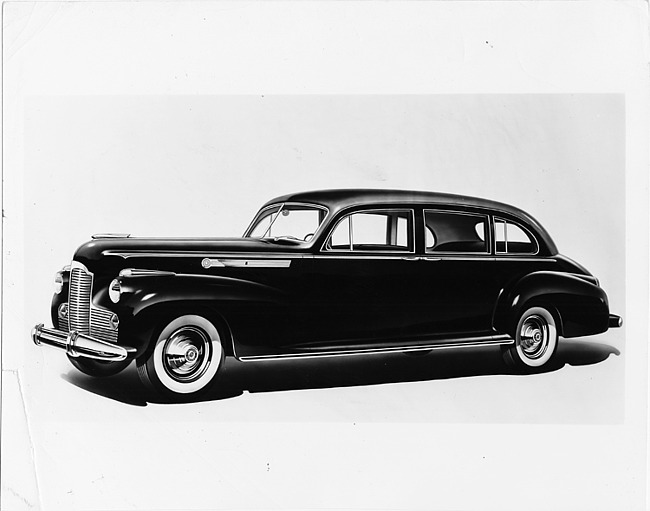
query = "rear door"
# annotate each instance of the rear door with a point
(458, 287)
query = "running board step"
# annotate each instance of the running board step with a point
(475, 342)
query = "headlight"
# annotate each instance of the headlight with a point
(115, 290)
(58, 282)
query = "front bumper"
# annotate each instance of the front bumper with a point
(80, 345)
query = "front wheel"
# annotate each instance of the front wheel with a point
(535, 340)
(186, 356)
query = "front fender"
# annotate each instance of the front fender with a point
(580, 306)
(140, 293)
(147, 302)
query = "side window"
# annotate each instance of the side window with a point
(377, 231)
(512, 239)
(448, 231)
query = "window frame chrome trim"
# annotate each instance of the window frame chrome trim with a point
(496, 218)
(324, 250)
(281, 206)
(488, 242)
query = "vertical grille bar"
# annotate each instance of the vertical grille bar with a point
(81, 283)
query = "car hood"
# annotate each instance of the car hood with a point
(139, 249)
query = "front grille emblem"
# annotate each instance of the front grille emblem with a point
(114, 321)
(63, 310)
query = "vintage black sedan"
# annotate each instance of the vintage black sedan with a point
(322, 274)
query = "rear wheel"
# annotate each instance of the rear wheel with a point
(186, 356)
(98, 368)
(535, 340)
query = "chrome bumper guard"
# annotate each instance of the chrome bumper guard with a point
(615, 321)
(80, 345)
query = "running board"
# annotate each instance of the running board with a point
(471, 342)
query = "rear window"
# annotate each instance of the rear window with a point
(513, 239)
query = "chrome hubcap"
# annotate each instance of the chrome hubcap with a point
(187, 354)
(534, 336)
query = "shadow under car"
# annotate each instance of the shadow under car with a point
(349, 371)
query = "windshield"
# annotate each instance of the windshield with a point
(288, 221)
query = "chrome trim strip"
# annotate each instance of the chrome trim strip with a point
(245, 263)
(350, 234)
(470, 342)
(209, 255)
(136, 272)
(439, 257)
(336, 255)
(504, 257)
(76, 264)
(365, 255)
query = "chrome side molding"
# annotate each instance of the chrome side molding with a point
(136, 272)
(245, 263)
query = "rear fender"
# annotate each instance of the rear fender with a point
(580, 306)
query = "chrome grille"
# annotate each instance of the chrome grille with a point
(81, 283)
(100, 325)
(82, 316)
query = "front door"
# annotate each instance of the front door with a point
(360, 282)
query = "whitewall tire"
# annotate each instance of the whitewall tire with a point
(185, 359)
(536, 340)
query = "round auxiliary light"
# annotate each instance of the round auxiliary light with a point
(115, 291)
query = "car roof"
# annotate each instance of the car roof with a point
(337, 199)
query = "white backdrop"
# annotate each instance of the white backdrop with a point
(202, 165)
(170, 119)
